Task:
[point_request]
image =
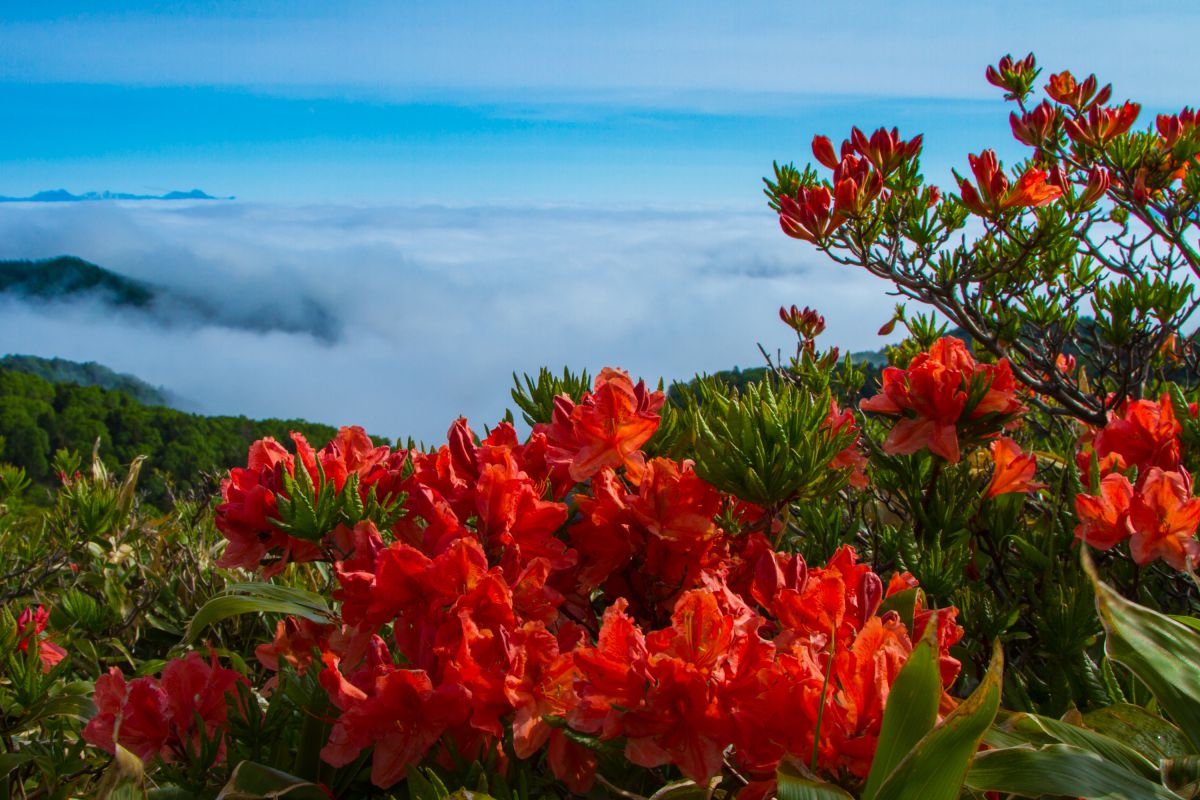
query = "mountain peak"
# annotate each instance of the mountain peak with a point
(64, 196)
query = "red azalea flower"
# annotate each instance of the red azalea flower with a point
(158, 717)
(1064, 89)
(402, 716)
(851, 457)
(132, 714)
(885, 149)
(993, 195)
(1102, 125)
(1012, 74)
(1035, 128)
(809, 215)
(30, 625)
(1144, 434)
(930, 397)
(1164, 517)
(606, 428)
(1104, 519)
(1013, 471)
(295, 640)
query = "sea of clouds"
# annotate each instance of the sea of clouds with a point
(402, 318)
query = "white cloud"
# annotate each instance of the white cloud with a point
(437, 306)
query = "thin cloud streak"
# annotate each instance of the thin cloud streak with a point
(924, 48)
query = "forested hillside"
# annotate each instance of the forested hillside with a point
(66, 277)
(38, 417)
(89, 373)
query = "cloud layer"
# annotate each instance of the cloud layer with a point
(435, 307)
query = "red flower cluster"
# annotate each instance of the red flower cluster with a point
(807, 323)
(1102, 125)
(994, 197)
(30, 625)
(629, 612)
(1082, 97)
(164, 717)
(1035, 128)
(943, 396)
(1013, 470)
(1013, 75)
(857, 181)
(248, 514)
(1156, 511)
(752, 668)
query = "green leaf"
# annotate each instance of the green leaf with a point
(936, 767)
(421, 788)
(1182, 775)
(903, 603)
(79, 707)
(10, 761)
(797, 783)
(250, 598)
(1032, 729)
(1059, 769)
(251, 781)
(683, 790)
(911, 711)
(1161, 652)
(1149, 734)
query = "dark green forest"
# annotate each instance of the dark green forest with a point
(89, 373)
(66, 276)
(184, 451)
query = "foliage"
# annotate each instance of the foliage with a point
(183, 451)
(1099, 215)
(60, 370)
(59, 278)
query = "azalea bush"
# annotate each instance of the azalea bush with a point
(970, 575)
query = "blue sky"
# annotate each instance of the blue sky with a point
(545, 102)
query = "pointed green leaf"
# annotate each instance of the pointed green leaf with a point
(1148, 733)
(1161, 652)
(903, 603)
(795, 782)
(1032, 729)
(936, 767)
(911, 711)
(1182, 775)
(251, 781)
(1059, 769)
(251, 598)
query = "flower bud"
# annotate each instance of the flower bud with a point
(1097, 186)
(1014, 76)
(823, 151)
(808, 323)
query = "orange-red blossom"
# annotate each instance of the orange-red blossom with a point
(990, 195)
(1013, 470)
(930, 397)
(1063, 88)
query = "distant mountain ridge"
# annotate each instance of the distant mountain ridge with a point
(69, 279)
(63, 196)
(88, 373)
